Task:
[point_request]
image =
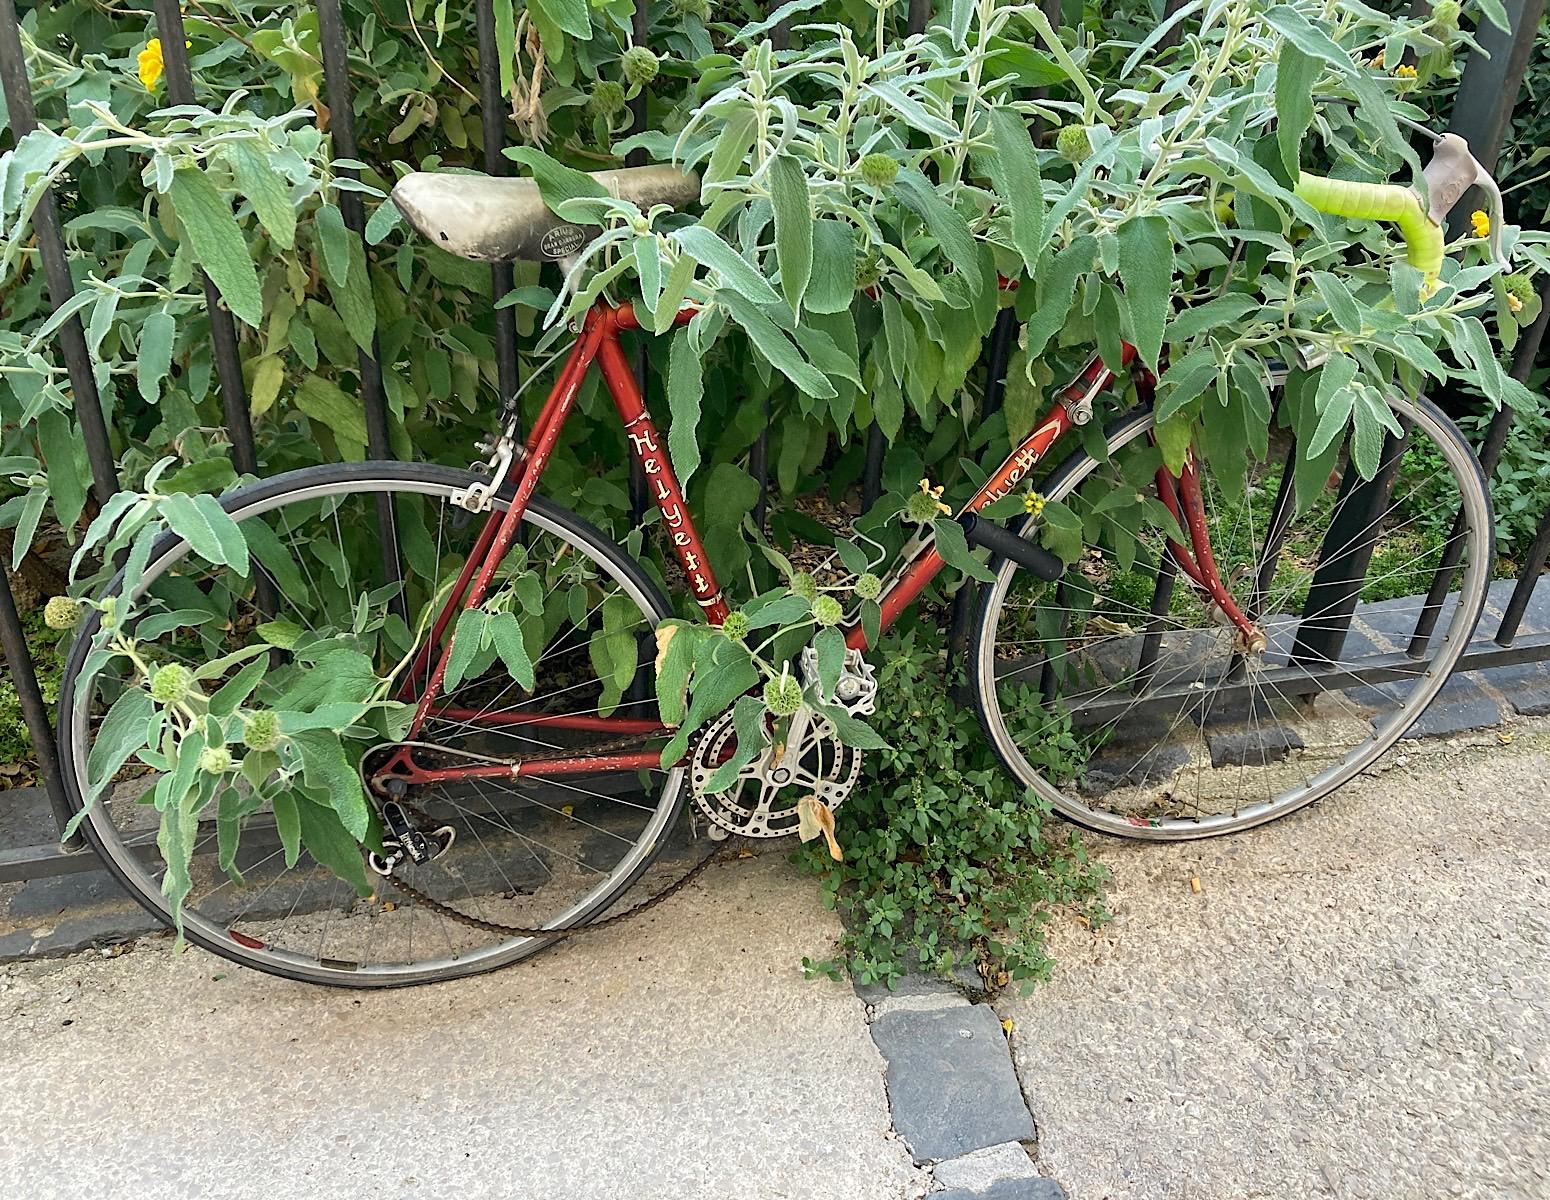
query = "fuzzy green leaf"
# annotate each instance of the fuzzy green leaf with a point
(833, 284)
(955, 552)
(218, 242)
(1056, 290)
(267, 191)
(1146, 270)
(709, 249)
(207, 528)
(772, 342)
(1296, 74)
(155, 358)
(793, 228)
(1018, 181)
(685, 390)
(329, 774)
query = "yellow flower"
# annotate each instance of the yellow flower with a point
(1377, 59)
(1404, 71)
(1514, 304)
(151, 64)
(1480, 223)
(1033, 503)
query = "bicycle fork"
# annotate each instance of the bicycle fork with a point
(1181, 496)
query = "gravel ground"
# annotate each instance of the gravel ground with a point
(1356, 1002)
(682, 1056)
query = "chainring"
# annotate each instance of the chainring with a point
(762, 802)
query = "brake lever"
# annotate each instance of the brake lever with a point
(1452, 171)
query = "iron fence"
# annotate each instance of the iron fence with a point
(1482, 111)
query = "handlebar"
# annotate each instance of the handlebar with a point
(1452, 171)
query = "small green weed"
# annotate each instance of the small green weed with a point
(945, 855)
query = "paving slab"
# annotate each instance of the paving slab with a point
(51, 895)
(681, 1056)
(1356, 1003)
(1007, 1189)
(1462, 706)
(979, 1169)
(950, 1080)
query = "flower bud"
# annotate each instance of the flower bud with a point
(783, 696)
(640, 66)
(261, 732)
(61, 612)
(606, 98)
(828, 611)
(868, 586)
(879, 170)
(171, 684)
(216, 760)
(1073, 143)
(921, 507)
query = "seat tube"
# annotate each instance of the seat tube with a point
(661, 482)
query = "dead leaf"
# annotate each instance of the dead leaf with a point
(1505, 738)
(665, 634)
(1008, 1025)
(807, 818)
(1194, 884)
(815, 817)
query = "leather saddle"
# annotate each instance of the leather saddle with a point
(491, 219)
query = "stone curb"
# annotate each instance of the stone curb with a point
(953, 1093)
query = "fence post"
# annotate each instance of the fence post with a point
(34, 710)
(1482, 106)
(88, 410)
(223, 332)
(640, 34)
(1490, 453)
(56, 267)
(492, 120)
(341, 108)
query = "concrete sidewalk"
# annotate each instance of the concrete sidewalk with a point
(1356, 1003)
(679, 1056)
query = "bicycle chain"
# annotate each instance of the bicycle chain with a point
(554, 935)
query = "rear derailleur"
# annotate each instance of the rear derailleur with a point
(407, 833)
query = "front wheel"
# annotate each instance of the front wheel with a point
(273, 879)
(1123, 697)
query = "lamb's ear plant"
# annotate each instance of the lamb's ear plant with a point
(864, 193)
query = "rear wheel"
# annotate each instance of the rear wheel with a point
(540, 853)
(1125, 699)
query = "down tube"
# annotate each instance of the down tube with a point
(1012, 471)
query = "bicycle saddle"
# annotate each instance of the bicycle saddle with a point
(492, 219)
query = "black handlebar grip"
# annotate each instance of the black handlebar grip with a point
(1004, 543)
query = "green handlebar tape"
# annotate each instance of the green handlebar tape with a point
(1380, 202)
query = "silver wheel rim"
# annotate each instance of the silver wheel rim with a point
(1453, 641)
(218, 938)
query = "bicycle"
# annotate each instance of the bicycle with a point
(526, 791)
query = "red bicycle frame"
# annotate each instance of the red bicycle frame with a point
(599, 342)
